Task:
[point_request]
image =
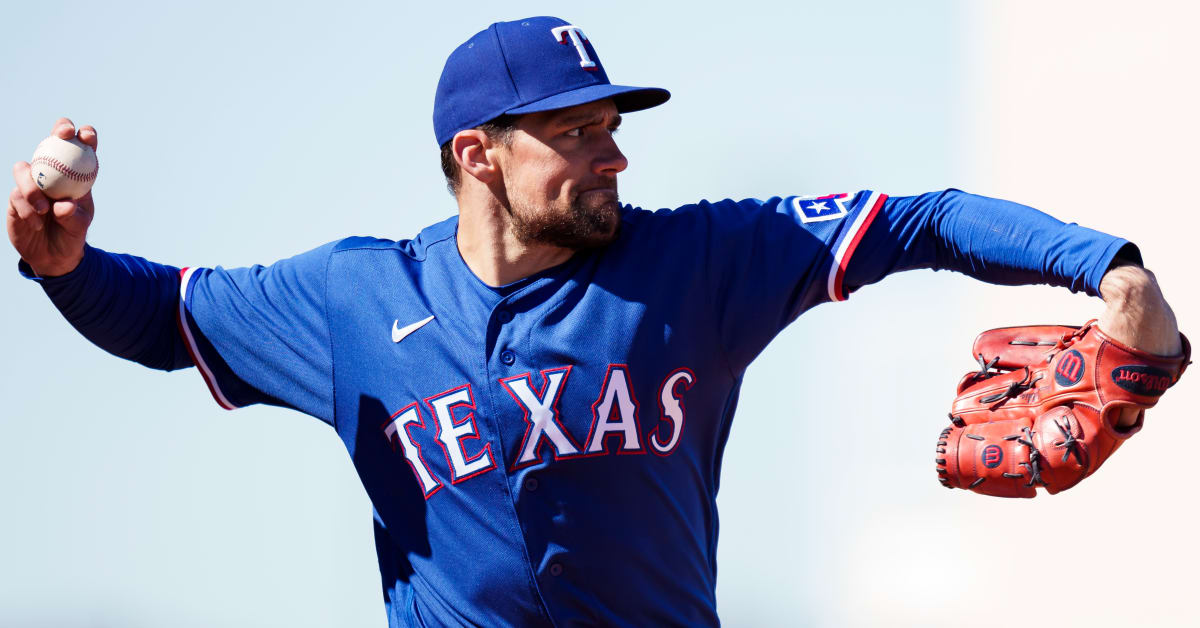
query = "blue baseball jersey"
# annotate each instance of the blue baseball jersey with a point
(549, 452)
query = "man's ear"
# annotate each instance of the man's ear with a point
(471, 151)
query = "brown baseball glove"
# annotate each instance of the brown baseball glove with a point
(1041, 409)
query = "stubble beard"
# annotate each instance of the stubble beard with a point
(588, 222)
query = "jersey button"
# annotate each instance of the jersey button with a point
(505, 317)
(531, 484)
(556, 569)
(508, 357)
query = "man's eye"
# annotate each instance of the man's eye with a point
(575, 132)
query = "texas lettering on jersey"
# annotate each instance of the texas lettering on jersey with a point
(615, 428)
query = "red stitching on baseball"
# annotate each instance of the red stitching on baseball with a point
(73, 175)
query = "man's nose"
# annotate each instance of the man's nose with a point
(609, 160)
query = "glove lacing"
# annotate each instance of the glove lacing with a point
(1014, 388)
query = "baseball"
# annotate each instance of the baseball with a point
(64, 169)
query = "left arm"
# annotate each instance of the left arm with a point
(802, 251)
(1007, 243)
(990, 239)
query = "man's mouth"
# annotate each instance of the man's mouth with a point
(605, 191)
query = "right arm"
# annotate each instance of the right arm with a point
(124, 304)
(258, 334)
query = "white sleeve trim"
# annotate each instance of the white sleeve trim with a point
(205, 371)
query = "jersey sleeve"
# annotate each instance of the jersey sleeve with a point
(772, 260)
(124, 304)
(990, 239)
(261, 334)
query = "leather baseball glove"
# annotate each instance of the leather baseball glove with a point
(1041, 409)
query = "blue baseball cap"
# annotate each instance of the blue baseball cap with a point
(526, 66)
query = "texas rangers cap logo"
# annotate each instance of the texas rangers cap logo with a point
(820, 208)
(574, 35)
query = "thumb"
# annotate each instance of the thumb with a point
(74, 216)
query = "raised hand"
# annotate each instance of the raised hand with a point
(49, 235)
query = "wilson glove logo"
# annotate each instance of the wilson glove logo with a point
(1069, 369)
(992, 456)
(1142, 380)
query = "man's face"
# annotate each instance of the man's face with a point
(560, 175)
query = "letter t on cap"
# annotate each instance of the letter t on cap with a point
(577, 38)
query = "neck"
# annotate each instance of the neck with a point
(488, 246)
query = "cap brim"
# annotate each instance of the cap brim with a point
(626, 98)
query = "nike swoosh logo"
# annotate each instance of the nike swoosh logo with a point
(400, 333)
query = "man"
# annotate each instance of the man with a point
(537, 393)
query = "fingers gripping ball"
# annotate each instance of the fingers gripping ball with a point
(1042, 409)
(63, 169)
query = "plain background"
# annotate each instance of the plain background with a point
(239, 133)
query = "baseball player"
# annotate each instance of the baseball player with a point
(536, 393)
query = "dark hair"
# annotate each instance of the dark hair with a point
(498, 129)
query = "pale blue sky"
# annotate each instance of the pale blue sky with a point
(239, 133)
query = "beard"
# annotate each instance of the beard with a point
(591, 220)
